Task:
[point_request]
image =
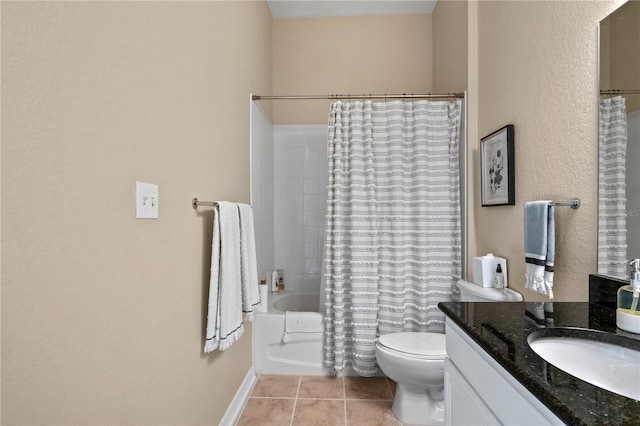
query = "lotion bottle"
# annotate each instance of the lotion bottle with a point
(628, 312)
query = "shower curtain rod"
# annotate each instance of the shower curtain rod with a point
(362, 96)
(620, 92)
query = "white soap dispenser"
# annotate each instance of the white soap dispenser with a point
(628, 312)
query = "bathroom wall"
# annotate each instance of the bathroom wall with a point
(537, 68)
(367, 54)
(102, 314)
(450, 46)
(451, 74)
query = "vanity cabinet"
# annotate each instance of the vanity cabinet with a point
(478, 391)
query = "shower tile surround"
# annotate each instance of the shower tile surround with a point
(289, 193)
(307, 400)
(299, 203)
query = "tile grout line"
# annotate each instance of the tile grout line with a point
(274, 397)
(368, 399)
(344, 396)
(295, 401)
(386, 379)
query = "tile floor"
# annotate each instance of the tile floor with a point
(318, 400)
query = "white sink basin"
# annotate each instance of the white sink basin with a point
(595, 357)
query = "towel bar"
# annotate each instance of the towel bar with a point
(195, 203)
(574, 204)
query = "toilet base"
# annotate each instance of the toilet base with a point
(418, 405)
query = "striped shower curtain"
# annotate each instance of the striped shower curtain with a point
(612, 211)
(393, 229)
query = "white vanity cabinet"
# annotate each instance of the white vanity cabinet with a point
(478, 391)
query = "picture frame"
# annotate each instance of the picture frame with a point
(497, 168)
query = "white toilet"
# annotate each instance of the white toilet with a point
(415, 361)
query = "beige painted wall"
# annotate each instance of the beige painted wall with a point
(450, 46)
(348, 55)
(537, 65)
(451, 66)
(103, 314)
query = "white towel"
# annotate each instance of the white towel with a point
(302, 322)
(248, 262)
(539, 246)
(224, 318)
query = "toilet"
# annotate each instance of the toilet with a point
(415, 361)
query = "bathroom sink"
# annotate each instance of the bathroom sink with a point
(605, 360)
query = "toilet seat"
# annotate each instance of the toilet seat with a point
(415, 344)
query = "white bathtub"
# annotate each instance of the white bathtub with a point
(299, 302)
(302, 354)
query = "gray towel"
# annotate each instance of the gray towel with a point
(539, 246)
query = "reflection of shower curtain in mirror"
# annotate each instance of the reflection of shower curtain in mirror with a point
(393, 241)
(612, 223)
(633, 184)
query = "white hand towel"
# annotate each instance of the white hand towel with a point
(213, 317)
(248, 262)
(302, 322)
(224, 318)
(539, 246)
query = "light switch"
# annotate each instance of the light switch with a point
(146, 201)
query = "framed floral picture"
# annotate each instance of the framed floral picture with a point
(497, 168)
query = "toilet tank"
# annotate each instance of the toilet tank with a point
(470, 292)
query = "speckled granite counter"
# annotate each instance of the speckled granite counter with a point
(501, 329)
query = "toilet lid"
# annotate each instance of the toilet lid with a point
(428, 345)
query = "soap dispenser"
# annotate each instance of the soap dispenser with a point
(498, 279)
(628, 312)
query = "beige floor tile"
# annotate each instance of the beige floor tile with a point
(370, 413)
(321, 387)
(320, 401)
(367, 388)
(276, 386)
(317, 412)
(267, 412)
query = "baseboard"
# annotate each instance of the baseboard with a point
(239, 400)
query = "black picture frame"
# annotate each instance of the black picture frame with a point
(497, 168)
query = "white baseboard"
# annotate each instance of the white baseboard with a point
(239, 400)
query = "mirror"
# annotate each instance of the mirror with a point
(619, 141)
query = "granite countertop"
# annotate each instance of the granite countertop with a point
(501, 329)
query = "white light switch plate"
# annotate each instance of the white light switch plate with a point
(146, 201)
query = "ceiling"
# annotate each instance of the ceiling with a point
(316, 8)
